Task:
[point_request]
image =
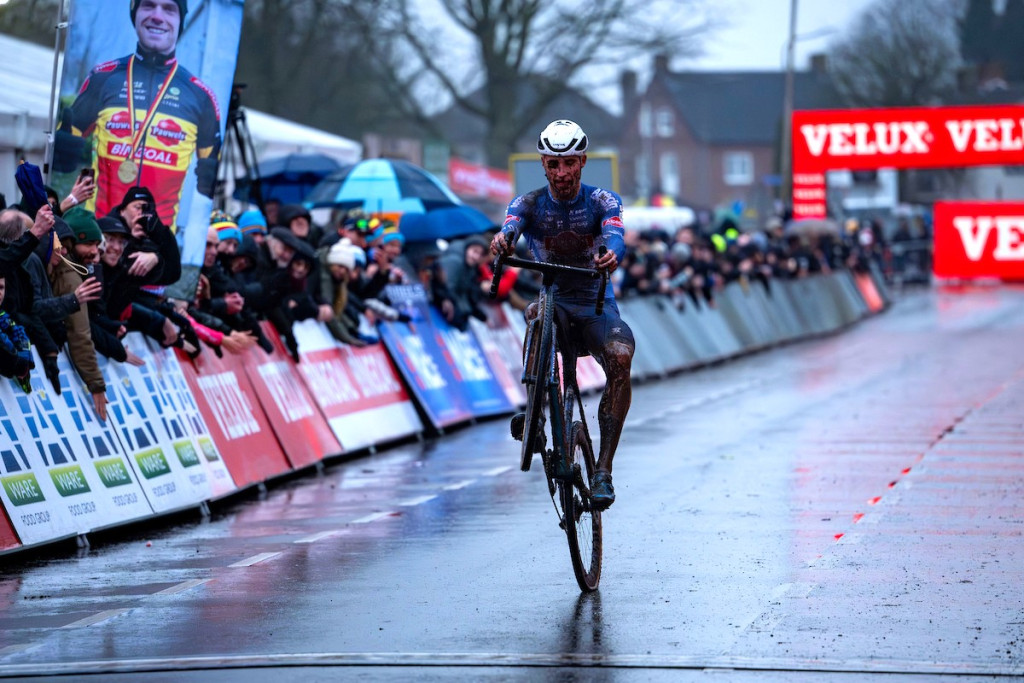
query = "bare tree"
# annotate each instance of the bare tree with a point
(898, 53)
(499, 46)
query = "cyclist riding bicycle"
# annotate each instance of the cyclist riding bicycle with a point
(567, 223)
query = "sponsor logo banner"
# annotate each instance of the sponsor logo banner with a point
(472, 180)
(979, 239)
(358, 390)
(423, 359)
(160, 424)
(239, 431)
(504, 350)
(910, 137)
(293, 414)
(62, 471)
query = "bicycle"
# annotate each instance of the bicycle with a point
(569, 465)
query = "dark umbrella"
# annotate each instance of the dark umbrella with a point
(289, 178)
(444, 223)
(382, 185)
(33, 191)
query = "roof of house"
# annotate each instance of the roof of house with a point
(742, 107)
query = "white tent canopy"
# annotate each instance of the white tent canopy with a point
(273, 136)
(25, 71)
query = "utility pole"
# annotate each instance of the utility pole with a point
(786, 153)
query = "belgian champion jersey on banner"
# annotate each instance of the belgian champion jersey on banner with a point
(184, 122)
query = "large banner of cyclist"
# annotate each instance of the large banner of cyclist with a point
(143, 103)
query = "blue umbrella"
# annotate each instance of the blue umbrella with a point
(444, 223)
(382, 185)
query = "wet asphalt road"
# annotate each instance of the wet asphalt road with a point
(844, 509)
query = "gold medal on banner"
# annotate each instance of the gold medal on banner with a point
(128, 172)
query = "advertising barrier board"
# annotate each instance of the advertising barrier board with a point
(358, 390)
(301, 428)
(422, 359)
(165, 416)
(66, 474)
(240, 430)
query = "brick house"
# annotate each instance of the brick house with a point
(710, 139)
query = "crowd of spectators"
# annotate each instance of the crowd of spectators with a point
(71, 280)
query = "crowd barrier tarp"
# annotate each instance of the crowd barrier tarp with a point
(672, 347)
(504, 351)
(478, 380)
(847, 308)
(731, 304)
(358, 390)
(805, 296)
(66, 473)
(646, 364)
(689, 320)
(301, 428)
(161, 430)
(721, 334)
(240, 430)
(784, 311)
(773, 318)
(853, 294)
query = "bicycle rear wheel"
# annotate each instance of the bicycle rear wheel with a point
(582, 524)
(538, 361)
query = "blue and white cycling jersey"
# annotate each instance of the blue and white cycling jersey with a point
(568, 233)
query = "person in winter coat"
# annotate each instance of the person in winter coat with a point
(15, 348)
(462, 267)
(65, 277)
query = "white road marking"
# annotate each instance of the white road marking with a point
(497, 470)
(255, 559)
(416, 501)
(372, 518)
(313, 538)
(458, 485)
(96, 618)
(182, 587)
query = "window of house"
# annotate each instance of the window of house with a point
(668, 171)
(739, 168)
(665, 122)
(644, 120)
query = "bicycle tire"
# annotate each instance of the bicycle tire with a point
(539, 359)
(582, 524)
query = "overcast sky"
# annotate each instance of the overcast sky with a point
(759, 29)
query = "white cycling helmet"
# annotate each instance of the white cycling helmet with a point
(562, 138)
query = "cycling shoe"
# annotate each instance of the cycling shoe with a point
(602, 493)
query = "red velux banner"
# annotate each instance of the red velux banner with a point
(912, 137)
(979, 239)
(472, 180)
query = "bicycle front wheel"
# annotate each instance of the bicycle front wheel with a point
(538, 361)
(582, 524)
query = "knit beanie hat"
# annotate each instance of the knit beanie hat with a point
(84, 227)
(182, 10)
(226, 228)
(252, 222)
(341, 254)
(134, 194)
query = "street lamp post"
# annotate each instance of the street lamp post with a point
(786, 153)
